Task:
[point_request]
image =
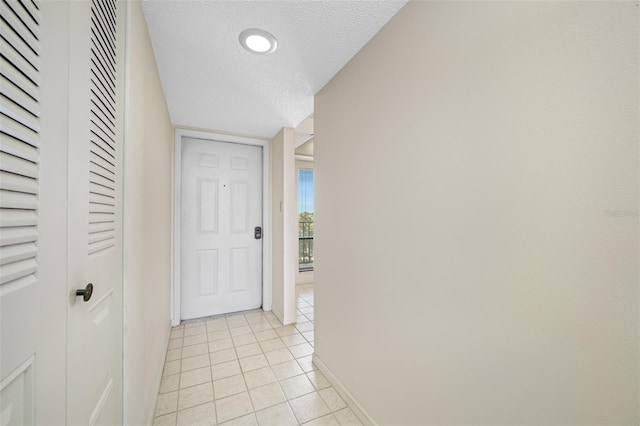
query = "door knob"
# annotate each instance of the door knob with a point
(85, 292)
(257, 232)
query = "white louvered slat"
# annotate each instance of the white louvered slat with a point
(19, 142)
(32, 9)
(16, 218)
(13, 182)
(18, 200)
(18, 149)
(17, 130)
(17, 26)
(23, 15)
(12, 164)
(19, 45)
(19, 97)
(17, 252)
(19, 115)
(102, 126)
(19, 62)
(10, 73)
(18, 235)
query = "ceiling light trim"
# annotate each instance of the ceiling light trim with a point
(254, 40)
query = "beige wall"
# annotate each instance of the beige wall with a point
(480, 265)
(147, 225)
(283, 219)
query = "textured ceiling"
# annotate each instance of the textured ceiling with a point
(211, 82)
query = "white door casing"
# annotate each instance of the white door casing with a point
(221, 207)
(94, 378)
(180, 136)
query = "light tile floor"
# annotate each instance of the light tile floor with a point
(246, 368)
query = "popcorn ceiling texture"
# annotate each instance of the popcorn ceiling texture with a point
(211, 82)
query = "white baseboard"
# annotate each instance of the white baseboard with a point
(357, 409)
(159, 380)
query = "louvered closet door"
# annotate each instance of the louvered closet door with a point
(94, 386)
(33, 157)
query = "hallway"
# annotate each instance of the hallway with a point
(246, 368)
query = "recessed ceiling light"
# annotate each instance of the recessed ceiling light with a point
(258, 41)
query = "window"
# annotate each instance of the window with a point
(305, 220)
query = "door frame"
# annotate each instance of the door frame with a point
(177, 205)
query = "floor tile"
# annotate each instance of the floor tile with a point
(171, 367)
(192, 331)
(166, 403)
(226, 369)
(318, 380)
(266, 396)
(294, 339)
(235, 322)
(229, 386)
(286, 330)
(256, 365)
(272, 345)
(287, 369)
(195, 377)
(222, 356)
(243, 340)
(195, 362)
(175, 343)
(195, 350)
(278, 356)
(218, 335)
(248, 350)
(304, 326)
(169, 383)
(296, 386)
(253, 362)
(306, 363)
(346, 417)
(248, 420)
(220, 345)
(259, 377)
(266, 335)
(200, 415)
(328, 420)
(262, 326)
(166, 420)
(241, 331)
(332, 399)
(195, 395)
(278, 415)
(194, 340)
(216, 325)
(233, 406)
(302, 350)
(309, 407)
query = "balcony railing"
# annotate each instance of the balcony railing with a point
(305, 246)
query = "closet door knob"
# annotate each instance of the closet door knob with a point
(85, 292)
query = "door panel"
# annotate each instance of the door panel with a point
(32, 212)
(221, 261)
(94, 345)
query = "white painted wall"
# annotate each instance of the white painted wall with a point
(480, 266)
(147, 224)
(284, 205)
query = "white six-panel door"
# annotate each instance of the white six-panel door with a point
(221, 206)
